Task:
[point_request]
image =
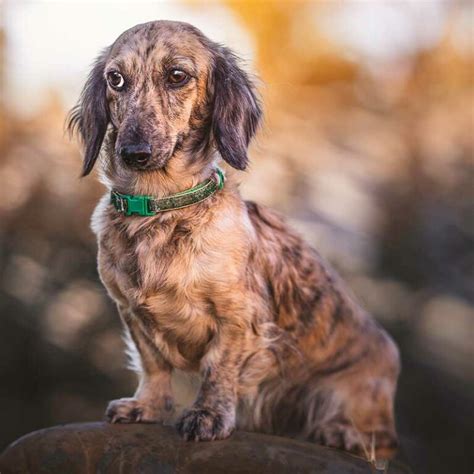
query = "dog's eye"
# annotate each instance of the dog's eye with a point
(176, 77)
(115, 80)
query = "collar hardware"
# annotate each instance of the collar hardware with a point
(128, 204)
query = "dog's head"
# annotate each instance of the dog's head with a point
(163, 87)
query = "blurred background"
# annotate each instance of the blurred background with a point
(367, 148)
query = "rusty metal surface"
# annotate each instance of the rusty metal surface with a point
(144, 449)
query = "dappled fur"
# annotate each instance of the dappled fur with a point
(223, 287)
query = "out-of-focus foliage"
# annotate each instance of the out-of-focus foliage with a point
(373, 166)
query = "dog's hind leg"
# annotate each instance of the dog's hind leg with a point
(353, 414)
(340, 411)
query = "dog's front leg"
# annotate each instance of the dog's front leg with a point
(213, 414)
(153, 399)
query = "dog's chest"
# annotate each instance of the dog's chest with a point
(150, 264)
(166, 282)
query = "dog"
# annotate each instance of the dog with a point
(210, 283)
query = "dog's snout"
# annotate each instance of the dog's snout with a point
(136, 154)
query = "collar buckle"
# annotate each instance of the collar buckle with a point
(129, 205)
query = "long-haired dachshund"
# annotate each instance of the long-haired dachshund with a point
(207, 282)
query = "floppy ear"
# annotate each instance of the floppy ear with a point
(237, 110)
(90, 117)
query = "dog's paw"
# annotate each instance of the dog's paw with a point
(339, 436)
(380, 444)
(131, 410)
(200, 424)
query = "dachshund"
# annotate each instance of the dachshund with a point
(217, 285)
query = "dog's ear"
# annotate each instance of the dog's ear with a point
(237, 109)
(90, 117)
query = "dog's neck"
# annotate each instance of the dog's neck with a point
(180, 173)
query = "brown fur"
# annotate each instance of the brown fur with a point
(224, 287)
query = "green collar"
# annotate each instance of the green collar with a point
(140, 205)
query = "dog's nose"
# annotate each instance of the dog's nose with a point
(136, 154)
